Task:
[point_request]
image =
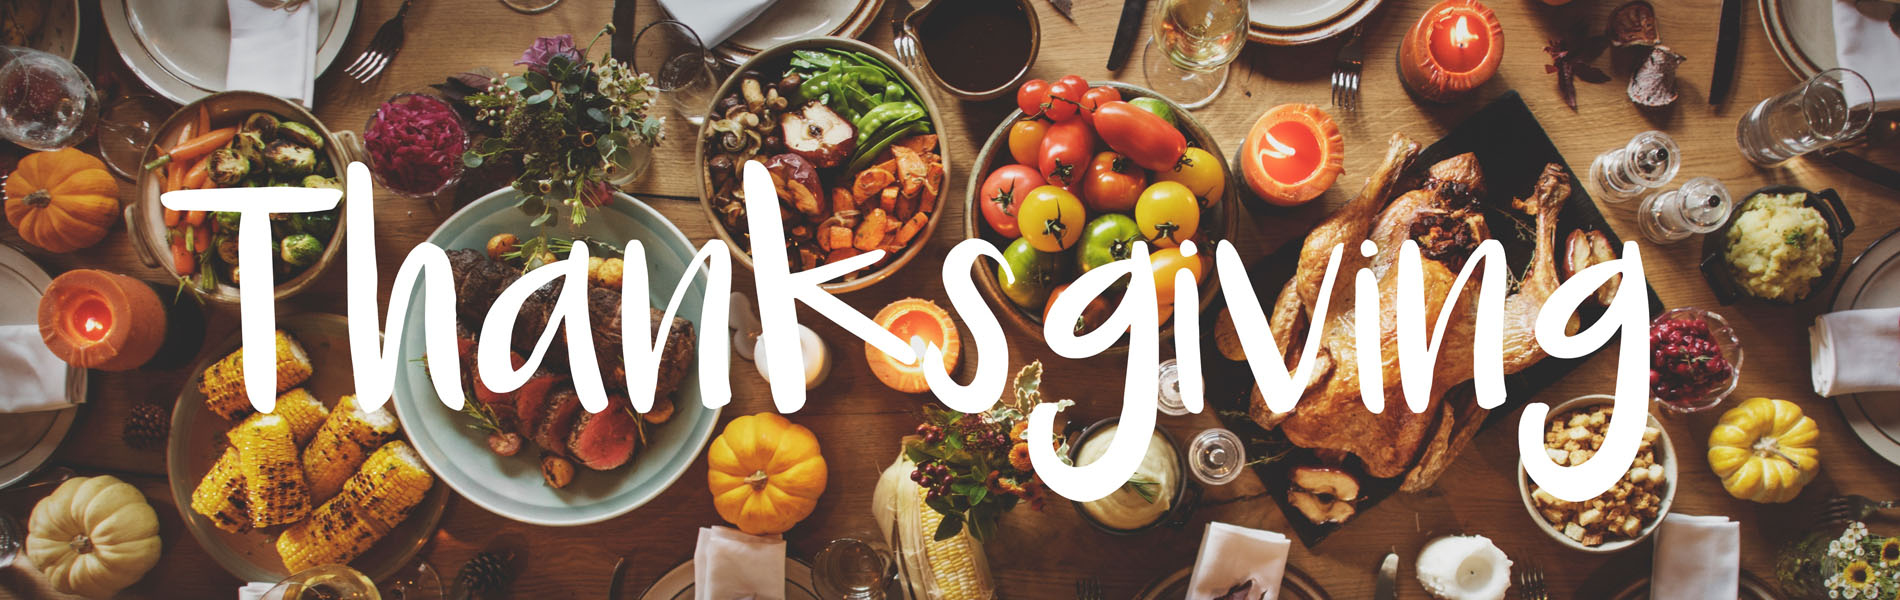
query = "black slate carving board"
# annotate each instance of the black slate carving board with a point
(1512, 150)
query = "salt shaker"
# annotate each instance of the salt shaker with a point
(1168, 398)
(1216, 456)
(1701, 205)
(1647, 162)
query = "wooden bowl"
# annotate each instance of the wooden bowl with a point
(145, 217)
(778, 53)
(1714, 263)
(914, 22)
(1665, 455)
(1217, 222)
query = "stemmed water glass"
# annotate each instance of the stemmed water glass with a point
(46, 103)
(681, 67)
(1193, 42)
(530, 7)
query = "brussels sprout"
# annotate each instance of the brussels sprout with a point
(319, 181)
(262, 123)
(299, 133)
(228, 249)
(301, 250)
(319, 224)
(250, 145)
(289, 160)
(227, 221)
(227, 167)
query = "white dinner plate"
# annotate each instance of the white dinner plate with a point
(1296, 14)
(677, 584)
(788, 20)
(1873, 281)
(27, 439)
(179, 48)
(1802, 34)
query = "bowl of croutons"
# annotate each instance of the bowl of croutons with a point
(1626, 514)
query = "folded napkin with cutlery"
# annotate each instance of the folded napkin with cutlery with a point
(714, 21)
(274, 50)
(1232, 555)
(1697, 558)
(1855, 351)
(731, 565)
(1864, 40)
(36, 379)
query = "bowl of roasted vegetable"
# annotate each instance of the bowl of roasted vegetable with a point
(851, 142)
(238, 140)
(1079, 175)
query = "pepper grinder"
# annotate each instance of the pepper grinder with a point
(1647, 162)
(1701, 205)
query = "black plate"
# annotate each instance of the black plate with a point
(1512, 150)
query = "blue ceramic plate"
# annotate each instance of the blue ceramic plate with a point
(511, 486)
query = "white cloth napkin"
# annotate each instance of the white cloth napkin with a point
(1865, 43)
(1231, 554)
(35, 378)
(254, 590)
(714, 21)
(1855, 351)
(273, 51)
(730, 565)
(1697, 558)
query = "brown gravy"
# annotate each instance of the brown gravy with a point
(976, 45)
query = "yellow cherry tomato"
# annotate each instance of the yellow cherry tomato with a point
(1051, 218)
(1201, 172)
(1168, 214)
(1025, 140)
(1166, 262)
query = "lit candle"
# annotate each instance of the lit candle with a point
(100, 320)
(1453, 49)
(920, 323)
(1293, 154)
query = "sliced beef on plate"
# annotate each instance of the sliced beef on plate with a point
(604, 440)
(676, 358)
(478, 281)
(531, 401)
(551, 432)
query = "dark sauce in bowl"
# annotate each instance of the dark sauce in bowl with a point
(976, 45)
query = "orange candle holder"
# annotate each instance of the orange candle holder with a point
(913, 319)
(1293, 154)
(1453, 49)
(98, 320)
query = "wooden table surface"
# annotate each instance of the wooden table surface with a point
(1041, 554)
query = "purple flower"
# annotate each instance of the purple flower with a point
(536, 56)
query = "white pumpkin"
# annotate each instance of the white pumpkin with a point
(93, 536)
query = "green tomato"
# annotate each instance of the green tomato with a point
(1108, 238)
(1158, 107)
(1037, 273)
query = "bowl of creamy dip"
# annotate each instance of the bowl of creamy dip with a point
(1159, 492)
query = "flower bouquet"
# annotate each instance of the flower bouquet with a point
(975, 467)
(1841, 562)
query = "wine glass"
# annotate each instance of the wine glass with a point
(334, 582)
(529, 7)
(682, 69)
(11, 539)
(126, 124)
(418, 581)
(46, 103)
(1193, 42)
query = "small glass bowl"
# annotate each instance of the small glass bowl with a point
(1726, 342)
(376, 170)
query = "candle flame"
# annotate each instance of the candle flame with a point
(1279, 149)
(1461, 35)
(93, 328)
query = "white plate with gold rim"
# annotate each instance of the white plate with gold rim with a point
(1296, 22)
(788, 20)
(677, 584)
(1802, 34)
(179, 49)
(1873, 281)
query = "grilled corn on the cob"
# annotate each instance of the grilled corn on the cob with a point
(374, 500)
(303, 411)
(341, 444)
(223, 382)
(273, 481)
(221, 496)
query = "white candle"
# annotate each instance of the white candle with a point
(817, 357)
(1464, 568)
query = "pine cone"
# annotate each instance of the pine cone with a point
(488, 572)
(147, 427)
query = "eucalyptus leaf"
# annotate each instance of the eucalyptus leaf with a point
(517, 83)
(542, 219)
(472, 160)
(539, 97)
(596, 115)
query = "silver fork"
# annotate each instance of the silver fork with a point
(1346, 67)
(1841, 509)
(1530, 583)
(901, 41)
(1088, 589)
(381, 50)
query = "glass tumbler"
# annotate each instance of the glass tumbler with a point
(1193, 42)
(854, 568)
(1832, 107)
(333, 582)
(681, 67)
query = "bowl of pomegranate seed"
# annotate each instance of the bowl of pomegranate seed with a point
(1695, 360)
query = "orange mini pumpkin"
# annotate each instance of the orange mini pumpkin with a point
(1293, 154)
(765, 472)
(62, 200)
(913, 318)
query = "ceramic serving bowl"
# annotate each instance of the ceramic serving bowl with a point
(778, 55)
(914, 23)
(1217, 221)
(145, 217)
(1186, 494)
(1665, 455)
(1714, 263)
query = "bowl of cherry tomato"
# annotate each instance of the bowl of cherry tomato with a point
(1078, 175)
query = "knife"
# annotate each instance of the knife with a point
(1125, 33)
(1730, 35)
(1387, 586)
(622, 48)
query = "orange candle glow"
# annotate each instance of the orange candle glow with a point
(91, 320)
(913, 320)
(1293, 154)
(1453, 49)
(99, 320)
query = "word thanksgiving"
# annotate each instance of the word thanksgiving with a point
(1135, 317)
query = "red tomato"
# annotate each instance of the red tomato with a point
(1033, 97)
(1002, 191)
(1113, 183)
(1065, 154)
(1147, 139)
(1095, 97)
(1025, 140)
(1065, 97)
(1093, 314)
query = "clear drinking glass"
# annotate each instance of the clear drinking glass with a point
(125, 127)
(330, 582)
(854, 568)
(11, 539)
(1193, 42)
(46, 103)
(530, 6)
(681, 67)
(418, 581)
(1832, 107)
(1216, 456)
